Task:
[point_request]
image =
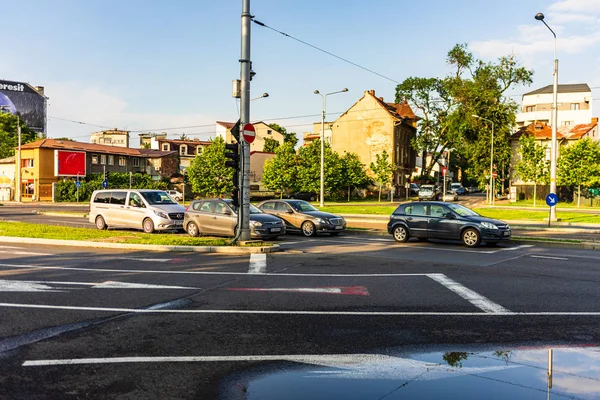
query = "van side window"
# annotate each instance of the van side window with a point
(135, 200)
(102, 197)
(118, 198)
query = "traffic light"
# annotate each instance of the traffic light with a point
(106, 175)
(233, 155)
(185, 178)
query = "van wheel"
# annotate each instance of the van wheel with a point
(100, 223)
(400, 234)
(471, 238)
(192, 229)
(148, 225)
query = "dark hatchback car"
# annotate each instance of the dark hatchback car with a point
(308, 196)
(437, 220)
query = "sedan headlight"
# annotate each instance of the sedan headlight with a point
(489, 225)
(161, 214)
(320, 220)
(255, 224)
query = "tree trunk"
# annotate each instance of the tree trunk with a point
(578, 195)
(380, 192)
(348, 193)
(534, 193)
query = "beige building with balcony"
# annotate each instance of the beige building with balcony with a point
(574, 103)
(262, 130)
(113, 137)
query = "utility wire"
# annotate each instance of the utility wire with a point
(324, 51)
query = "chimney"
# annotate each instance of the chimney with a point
(371, 92)
(594, 120)
(381, 99)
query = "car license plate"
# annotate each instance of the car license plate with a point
(506, 234)
(275, 229)
(178, 222)
(339, 227)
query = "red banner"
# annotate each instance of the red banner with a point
(69, 163)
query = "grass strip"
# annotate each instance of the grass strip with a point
(23, 229)
(529, 215)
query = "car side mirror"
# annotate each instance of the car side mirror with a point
(450, 215)
(289, 211)
(226, 212)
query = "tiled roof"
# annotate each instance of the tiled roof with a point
(397, 110)
(543, 131)
(8, 160)
(93, 148)
(566, 88)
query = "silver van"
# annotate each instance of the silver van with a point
(145, 209)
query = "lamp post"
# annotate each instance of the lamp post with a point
(324, 96)
(491, 191)
(18, 183)
(553, 143)
(260, 97)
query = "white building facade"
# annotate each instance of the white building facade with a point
(574, 105)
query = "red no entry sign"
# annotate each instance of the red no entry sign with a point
(495, 174)
(249, 133)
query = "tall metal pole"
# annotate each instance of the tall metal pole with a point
(18, 185)
(492, 167)
(322, 191)
(554, 143)
(244, 119)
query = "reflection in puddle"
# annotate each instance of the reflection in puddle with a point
(522, 373)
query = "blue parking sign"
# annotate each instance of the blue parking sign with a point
(552, 199)
(105, 184)
(77, 184)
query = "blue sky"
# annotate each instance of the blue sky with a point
(140, 65)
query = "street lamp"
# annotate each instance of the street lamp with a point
(18, 183)
(491, 158)
(553, 143)
(260, 97)
(324, 96)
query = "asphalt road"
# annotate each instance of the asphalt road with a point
(113, 324)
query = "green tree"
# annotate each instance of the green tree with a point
(208, 174)
(382, 169)
(309, 168)
(353, 172)
(579, 165)
(279, 173)
(9, 138)
(532, 167)
(270, 145)
(66, 191)
(288, 137)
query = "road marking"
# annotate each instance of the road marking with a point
(10, 247)
(550, 257)
(308, 312)
(523, 246)
(471, 296)
(143, 259)
(43, 286)
(25, 253)
(258, 263)
(505, 260)
(347, 290)
(142, 271)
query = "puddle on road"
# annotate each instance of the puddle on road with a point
(521, 373)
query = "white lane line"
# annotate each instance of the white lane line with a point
(305, 312)
(258, 263)
(471, 296)
(26, 286)
(141, 271)
(550, 257)
(11, 247)
(25, 253)
(143, 259)
(505, 260)
(523, 246)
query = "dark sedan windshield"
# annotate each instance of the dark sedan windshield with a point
(462, 210)
(302, 206)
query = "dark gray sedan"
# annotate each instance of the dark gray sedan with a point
(437, 220)
(301, 216)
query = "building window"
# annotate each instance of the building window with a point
(136, 162)
(529, 108)
(94, 158)
(27, 163)
(198, 150)
(268, 131)
(165, 146)
(567, 123)
(574, 106)
(111, 160)
(103, 159)
(183, 150)
(122, 161)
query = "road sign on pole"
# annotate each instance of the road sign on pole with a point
(249, 133)
(495, 174)
(105, 184)
(551, 201)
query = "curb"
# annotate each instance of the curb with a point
(147, 247)
(59, 214)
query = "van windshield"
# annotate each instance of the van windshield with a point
(158, 197)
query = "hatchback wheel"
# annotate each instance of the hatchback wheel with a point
(400, 234)
(148, 225)
(471, 238)
(192, 229)
(308, 229)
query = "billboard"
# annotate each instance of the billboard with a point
(69, 163)
(21, 98)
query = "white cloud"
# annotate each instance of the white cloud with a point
(582, 6)
(101, 106)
